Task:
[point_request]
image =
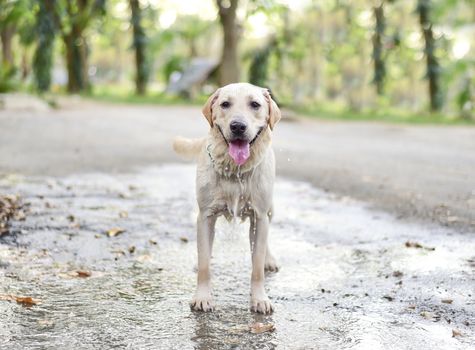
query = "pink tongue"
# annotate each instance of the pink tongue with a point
(239, 151)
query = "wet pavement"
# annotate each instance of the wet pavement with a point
(350, 277)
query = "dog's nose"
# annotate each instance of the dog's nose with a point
(238, 128)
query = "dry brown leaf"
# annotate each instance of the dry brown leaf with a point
(184, 239)
(83, 273)
(259, 327)
(447, 301)
(456, 333)
(25, 301)
(115, 231)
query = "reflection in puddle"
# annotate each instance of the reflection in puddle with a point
(347, 281)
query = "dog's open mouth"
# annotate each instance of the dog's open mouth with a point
(239, 150)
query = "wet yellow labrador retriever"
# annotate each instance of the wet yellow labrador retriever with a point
(235, 178)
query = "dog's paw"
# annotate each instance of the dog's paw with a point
(202, 303)
(261, 305)
(270, 265)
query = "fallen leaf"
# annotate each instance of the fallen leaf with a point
(118, 251)
(123, 214)
(456, 333)
(412, 307)
(45, 323)
(144, 258)
(10, 208)
(431, 316)
(115, 231)
(25, 301)
(131, 249)
(153, 242)
(397, 274)
(259, 327)
(447, 301)
(83, 273)
(184, 239)
(20, 215)
(71, 218)
(417, 245)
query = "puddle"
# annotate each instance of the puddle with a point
(347, 280)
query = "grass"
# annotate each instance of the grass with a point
(384, 114)
(126, 95)
(327, 111)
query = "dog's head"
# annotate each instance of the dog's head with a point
(241, 112)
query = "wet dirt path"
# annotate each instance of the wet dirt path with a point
(347, 278)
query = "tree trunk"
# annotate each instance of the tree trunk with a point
(378, 59)
(43, 57)
(229, 66)
(6, 36)
(433, 69)
(76, 60)
(139, 44)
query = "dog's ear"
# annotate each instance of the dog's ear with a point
(208, 107)
(274, 111)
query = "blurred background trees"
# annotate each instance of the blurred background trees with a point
(327, 56)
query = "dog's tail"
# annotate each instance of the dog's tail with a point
(188, 148)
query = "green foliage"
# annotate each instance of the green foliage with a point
(189, 28)
(173, 64)
(327, 52)
(7, 79)
(258, 71)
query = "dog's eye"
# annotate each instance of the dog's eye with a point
(255, 104)
(225, 104)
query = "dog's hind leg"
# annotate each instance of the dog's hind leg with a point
(202, 301)
(270, 262)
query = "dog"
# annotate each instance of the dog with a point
(235, 178)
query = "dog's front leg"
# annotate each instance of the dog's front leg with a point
(202, 301)
(258, 236)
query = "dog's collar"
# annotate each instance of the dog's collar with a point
(222, 134)
(257, 135)
(210, 156)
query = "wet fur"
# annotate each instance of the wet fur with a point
(223, 188)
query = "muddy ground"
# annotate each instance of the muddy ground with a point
(352, 276)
